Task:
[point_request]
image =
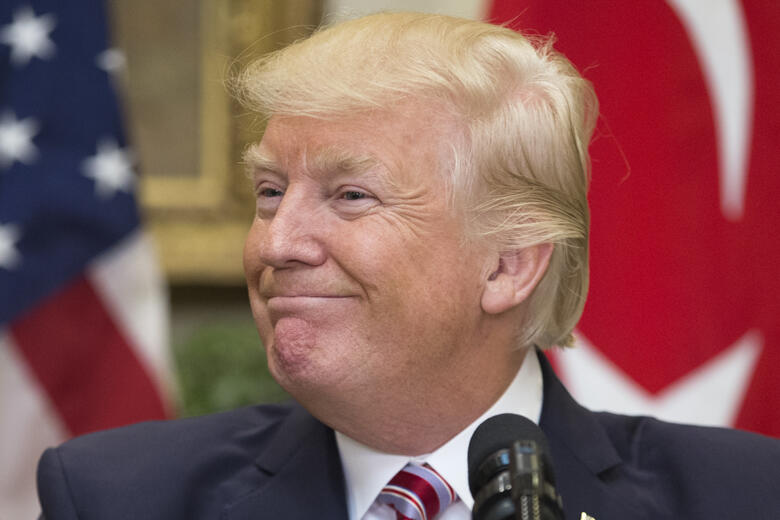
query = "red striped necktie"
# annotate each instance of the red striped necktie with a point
(417, 492)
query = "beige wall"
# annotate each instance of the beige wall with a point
(186, 130)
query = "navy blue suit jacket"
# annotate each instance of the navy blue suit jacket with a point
(279, 462)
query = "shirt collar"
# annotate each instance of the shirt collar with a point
(366, 470)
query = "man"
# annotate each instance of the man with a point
(421, 231)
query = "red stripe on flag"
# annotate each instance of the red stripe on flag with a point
(84, 363)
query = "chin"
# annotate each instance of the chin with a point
(316, 377)
(311, 386)
(290, 355)
(294, 356)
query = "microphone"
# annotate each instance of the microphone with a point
(510, 473)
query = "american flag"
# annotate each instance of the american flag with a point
(83, 322)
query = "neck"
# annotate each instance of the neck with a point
(406, 423)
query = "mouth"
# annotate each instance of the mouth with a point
(312, 296)
(304, 304)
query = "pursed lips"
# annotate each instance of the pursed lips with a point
(289, 304)
(283, 296)
(268, 295)
(289, 294)
(302, 298)
(328, 289)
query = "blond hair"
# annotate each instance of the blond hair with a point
(521, 171)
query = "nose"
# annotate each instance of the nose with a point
(294, 235)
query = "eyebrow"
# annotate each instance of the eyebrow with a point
(255, 158)
(328, 160)
(334, 160)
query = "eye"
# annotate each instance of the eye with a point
(353, 195)
(268, 197)
(269, 192)
(348, 194)
(352, 202)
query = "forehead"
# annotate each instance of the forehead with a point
(406, 140)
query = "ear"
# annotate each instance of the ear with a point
(515, 277)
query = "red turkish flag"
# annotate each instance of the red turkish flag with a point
(685, 196)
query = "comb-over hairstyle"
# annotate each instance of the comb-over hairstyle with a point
(520, 173)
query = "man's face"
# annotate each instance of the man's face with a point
(360, 280)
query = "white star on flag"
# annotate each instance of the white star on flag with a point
(16, 140)
(28, 36)
(111, 60)
(111, 168)
(9, 255)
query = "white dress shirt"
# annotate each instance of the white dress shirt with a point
(366, 471)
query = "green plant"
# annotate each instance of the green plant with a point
(222, 366)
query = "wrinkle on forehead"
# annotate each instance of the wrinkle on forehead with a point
(324, 161)
(413, 140)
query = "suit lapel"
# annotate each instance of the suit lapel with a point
(304, 475)
(301, 474)
(589, 471)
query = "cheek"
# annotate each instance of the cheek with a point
(436, 291)
(253, 269)
(262, 321)
(252, 264)
(401, 267)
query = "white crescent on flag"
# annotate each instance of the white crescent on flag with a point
(718, 31)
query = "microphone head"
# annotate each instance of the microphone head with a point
(491, 437)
